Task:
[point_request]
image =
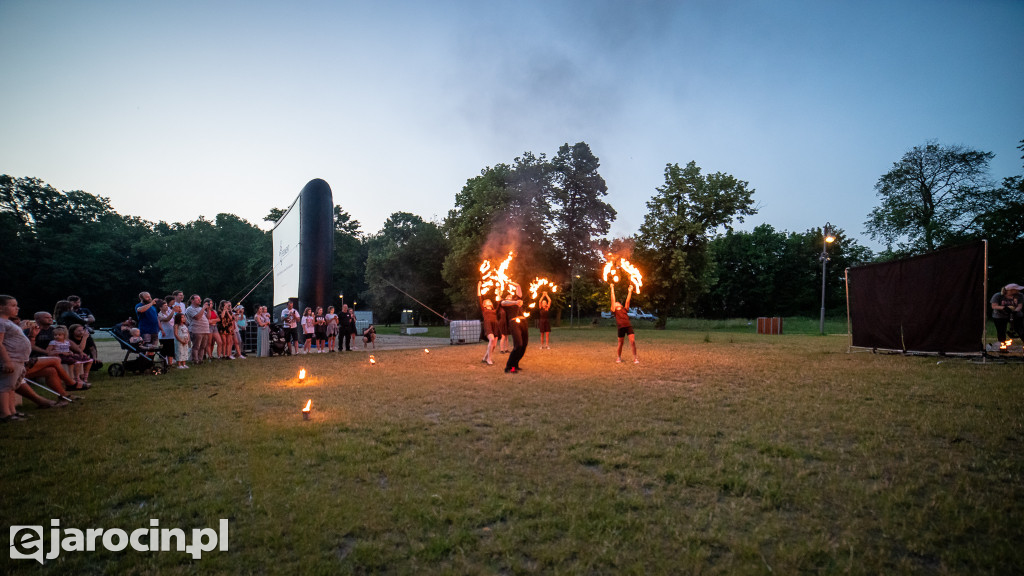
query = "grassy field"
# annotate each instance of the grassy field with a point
(723, 452)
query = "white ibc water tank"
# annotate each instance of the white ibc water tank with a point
(463, 331)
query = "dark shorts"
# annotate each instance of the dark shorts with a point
(167, 347)
(544, 324)
(625, 330)
(291, 334)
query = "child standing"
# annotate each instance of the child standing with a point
(15, 348)
(182, 340)
(332, 329)
(308, 329)
(320, 328)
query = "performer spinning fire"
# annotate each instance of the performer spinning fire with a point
(490, 326)
(621, 313)
(518, 327)
(544, 320)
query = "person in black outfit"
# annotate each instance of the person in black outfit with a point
(346, 328)
(518, 327)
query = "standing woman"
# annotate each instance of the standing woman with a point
(262, 332)
(240, 330)
(227, 327)
(215, 340)
(332, 329)
(544, 320)
(490, 326)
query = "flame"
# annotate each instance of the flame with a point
(309, 405)
(608, 267)
(615, 263)
(494, 278)
(1006, 345)
(634, 274)
(539, 283)
(426, 351)
(302, 374)
(372, 359)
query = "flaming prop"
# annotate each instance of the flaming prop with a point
(536, 286)
(306, 410)
(302, 374)
(614, 264)
(495, 279)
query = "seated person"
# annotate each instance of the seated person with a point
(70, 354)
(136, 340)
(47, 367)
(370, 336)
(26, 392)
(45, 322)
(84, 314)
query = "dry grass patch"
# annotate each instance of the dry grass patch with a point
(741, 454)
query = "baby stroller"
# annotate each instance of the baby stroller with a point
(137, 359)
(278, 345)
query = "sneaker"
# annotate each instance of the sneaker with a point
(240, 357)
(618, 360)
(180, 366)
(636, 360)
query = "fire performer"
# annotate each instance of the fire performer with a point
(544, 320)
(621, 313)
(490, 326)
(518, 327)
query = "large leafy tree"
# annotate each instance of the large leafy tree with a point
(1003, 227)
(681, 219)
(506, 208)
(777, 273)
(57, 243)
(933, 196)
(580, 216)
(404, 262)
(745, 265)
(350, 251)
(222, 259)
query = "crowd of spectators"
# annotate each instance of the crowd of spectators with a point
(56, 351)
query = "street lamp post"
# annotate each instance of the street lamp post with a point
(572, 304)
(829, 237)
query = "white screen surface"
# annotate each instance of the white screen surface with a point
(286, 255)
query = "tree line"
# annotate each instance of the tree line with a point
(550, 212)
